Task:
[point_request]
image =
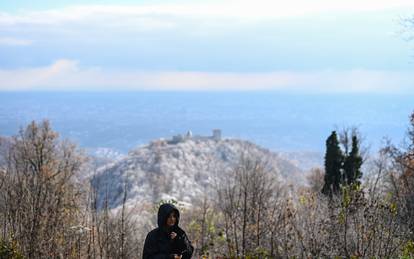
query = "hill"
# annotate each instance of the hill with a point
(183, 170)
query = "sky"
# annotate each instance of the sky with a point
(322, 46)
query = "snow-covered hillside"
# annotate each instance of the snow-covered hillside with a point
(183, 171)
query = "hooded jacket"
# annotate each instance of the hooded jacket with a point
(158, 243)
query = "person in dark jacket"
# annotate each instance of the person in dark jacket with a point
(168, 240)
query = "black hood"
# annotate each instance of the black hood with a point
(163, 212)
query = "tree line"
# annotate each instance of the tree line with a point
(47, 210)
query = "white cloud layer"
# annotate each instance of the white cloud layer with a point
(164, 13)
(67, 75)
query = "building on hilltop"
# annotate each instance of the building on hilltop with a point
(176, 139)
(181, 138)
(217, 134)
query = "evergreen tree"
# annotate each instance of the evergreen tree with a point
(333, 165)
(352, 164)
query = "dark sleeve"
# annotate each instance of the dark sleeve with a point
(151, 249)
(188, 249)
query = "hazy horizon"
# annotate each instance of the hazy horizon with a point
(274, 120)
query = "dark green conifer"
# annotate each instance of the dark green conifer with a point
(352, 164)
(333, 164)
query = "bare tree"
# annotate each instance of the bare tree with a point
(39, 194)
(246, 199)
(316, 179)
(345, 139)
(48, 213)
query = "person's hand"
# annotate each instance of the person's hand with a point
(177, 256)
(173, 235)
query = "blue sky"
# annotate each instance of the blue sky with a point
(300, 45)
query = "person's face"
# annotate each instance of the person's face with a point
(172, 218)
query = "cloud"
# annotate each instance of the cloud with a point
(8, 41)
(166, 14)
(68, 75)
(37, 78)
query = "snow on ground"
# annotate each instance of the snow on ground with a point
(183, 171)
